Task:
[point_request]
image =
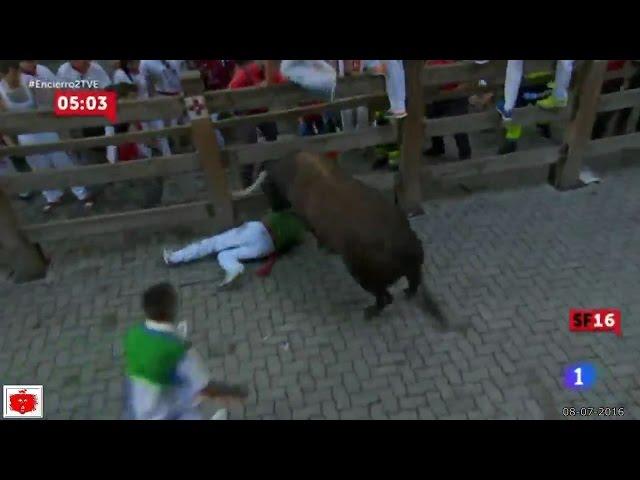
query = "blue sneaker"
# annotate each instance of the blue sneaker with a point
(506, 115)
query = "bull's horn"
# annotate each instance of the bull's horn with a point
(252, 188)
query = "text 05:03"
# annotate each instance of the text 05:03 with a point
(593, 412)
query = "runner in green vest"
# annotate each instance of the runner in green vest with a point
(165, 376)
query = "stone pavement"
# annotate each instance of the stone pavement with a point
(506, 266)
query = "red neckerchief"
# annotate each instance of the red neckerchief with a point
(265, 270)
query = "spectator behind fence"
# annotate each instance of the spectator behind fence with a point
(353, 118)
(393, 71)
(89, 70)
(16, 96)
(37, 72)
(127, 73)
(248, 73)
(558, 99)
(318, 76)
(604, 118)
(216, 74)
(442, 108)
(536, 87)
(162, 78)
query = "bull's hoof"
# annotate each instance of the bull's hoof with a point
(371, 312)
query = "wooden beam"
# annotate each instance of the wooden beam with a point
(288, 94)
(161, 217)
(44, 120)
(260, 152)
(296, 112)
(98, 174)
(475, 122)
(495, 164)
(26, 260)
(92, 142)
(619, 100)
(209, 153)
(605, 146)
(468, 71)
(578, 133)
(434, 94)
(191, 82)
(409, 184)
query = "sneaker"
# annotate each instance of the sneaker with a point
(551, 103)
(166, 256)
(25, 196)
(230, 277)
(505, 114)
(397, 114)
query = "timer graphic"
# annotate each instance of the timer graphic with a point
(85, 103)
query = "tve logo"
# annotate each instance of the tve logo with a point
(595, 320)
(580, 376)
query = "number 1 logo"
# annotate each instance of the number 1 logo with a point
(580, 376)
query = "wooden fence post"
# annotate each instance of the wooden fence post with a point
(409, 187)
(578, 133)
(26, 260)
(208, 151)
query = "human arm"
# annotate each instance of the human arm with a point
(192, 371)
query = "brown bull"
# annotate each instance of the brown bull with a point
(351, 219)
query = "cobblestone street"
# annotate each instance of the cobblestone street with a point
(506, 267)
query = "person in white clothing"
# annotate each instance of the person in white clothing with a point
(513, 79)
(315, 75)
(35, 71)
(84, 70)
(354, 117)
(393, 71)
(128, 72)
(89, 70)
(16, 96)
(162, 77)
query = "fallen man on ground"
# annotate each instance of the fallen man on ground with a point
(276, 234)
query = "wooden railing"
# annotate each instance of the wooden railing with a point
(216, 162)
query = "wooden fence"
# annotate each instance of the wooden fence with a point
(216, 162)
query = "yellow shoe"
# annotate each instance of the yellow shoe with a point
(551, 103)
